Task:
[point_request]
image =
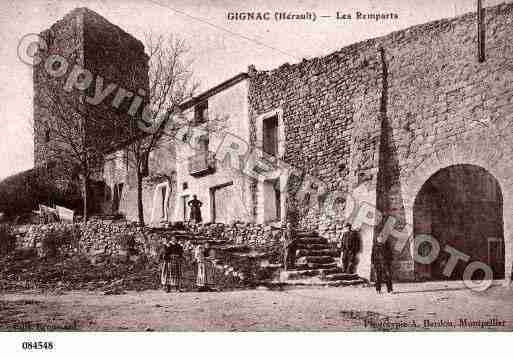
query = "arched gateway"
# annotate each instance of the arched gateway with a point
(461, 206)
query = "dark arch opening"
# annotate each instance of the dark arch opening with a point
(460, 206)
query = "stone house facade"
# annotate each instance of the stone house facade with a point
(412, 125)
(223, 190)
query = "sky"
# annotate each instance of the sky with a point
(220, 48)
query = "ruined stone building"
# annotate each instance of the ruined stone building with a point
(413, 126)
(78, 54)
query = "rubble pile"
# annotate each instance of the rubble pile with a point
(252, 267)
(110, 275)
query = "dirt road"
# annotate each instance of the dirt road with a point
(430, 306)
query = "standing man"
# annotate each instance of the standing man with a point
(195, 205)
(350, 249)
(289, 247)
(382, 259)
(340, 245)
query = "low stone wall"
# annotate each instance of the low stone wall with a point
(240, 249)
(94, 237)
(117, 236)
(250, 234)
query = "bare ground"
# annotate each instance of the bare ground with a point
(305, 309)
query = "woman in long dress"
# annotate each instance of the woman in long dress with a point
(171, 265)
(205, 275)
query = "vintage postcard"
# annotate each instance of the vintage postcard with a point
(249, 166)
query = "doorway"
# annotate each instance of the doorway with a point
(223, 203)
(117, 196)
(272, 200)
(460, 206)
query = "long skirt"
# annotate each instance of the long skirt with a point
(171, 272)
(195, 215)
(205, 276)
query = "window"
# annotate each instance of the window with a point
(47, 134)
(270, 135)
(118, 194)
(203, 143)
(185, 206)
(121, 160)
(145, 168)
(163, 193)
(201, 113)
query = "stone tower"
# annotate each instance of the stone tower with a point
(87, 64)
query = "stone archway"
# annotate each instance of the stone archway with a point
(461, 206)
(485, 150)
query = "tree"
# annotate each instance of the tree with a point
(71, 148)
(170, 83)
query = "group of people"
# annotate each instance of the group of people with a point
(171, 258)
(350, 246)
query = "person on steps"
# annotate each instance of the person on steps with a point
(289, 247)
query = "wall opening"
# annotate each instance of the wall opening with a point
(184, 204)
(460, 206)
(223, 203)
(117, 195)
(161, 196)
(201, 113)
(270, 136)
(272, 200)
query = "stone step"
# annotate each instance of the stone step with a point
(193, 237)
(333, 270)
(345, 283)
(299, 274)
(305, 266)
(341, 276)
(312, 240)
(307, 234)
(314, 259)
(323, 283)
(321, 273)
(317, 252)
(313, 246)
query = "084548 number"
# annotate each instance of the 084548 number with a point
(37, 345)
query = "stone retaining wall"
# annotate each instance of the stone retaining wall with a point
(92, 238)
(112, 237)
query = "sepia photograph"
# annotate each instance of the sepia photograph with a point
(255, 166)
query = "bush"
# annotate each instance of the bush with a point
(57, 240)
(7, 239)
(126, 242)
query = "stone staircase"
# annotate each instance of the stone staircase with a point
(317, 264)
